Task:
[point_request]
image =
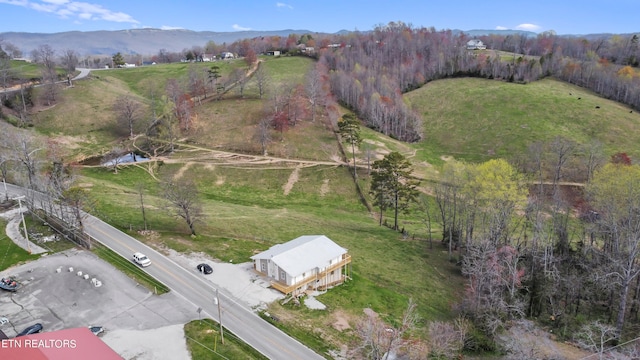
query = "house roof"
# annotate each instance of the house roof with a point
(302, 254)
(77, 343)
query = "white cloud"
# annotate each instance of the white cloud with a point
(74, 9)
(528, 27)
(283, 5)
(501, 27)
(240, 28)
(15, 2)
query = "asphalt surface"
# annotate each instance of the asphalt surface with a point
(236, 317)
(58, 299)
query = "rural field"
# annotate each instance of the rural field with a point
(251, 201)
(303, 185)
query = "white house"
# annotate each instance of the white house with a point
(227, 55)
(475, 44)
(310, 262)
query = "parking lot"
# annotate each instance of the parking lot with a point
(58, 298)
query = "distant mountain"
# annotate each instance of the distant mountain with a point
(135, 41)
(499, 32)
(150, 41)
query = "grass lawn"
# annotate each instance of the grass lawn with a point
(204, 342)
(10, 253)
(247, 211)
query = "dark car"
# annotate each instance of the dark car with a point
(96, 330)
(33, 329)
(204, 268)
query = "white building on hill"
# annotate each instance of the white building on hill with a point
(311, 262)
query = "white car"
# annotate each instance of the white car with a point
(141, 259)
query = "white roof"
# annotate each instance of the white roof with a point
(302, 254)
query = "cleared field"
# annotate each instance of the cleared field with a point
(478, 119)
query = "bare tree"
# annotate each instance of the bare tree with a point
(262, 79)
(6, 74)
(263, 134)
(69, 60)
(238, 77)
(596, 336)
(615, 192)
(25, 151)
(196, 82)
(4, 171)
(12, 50)
(313, 85)
(114, 158)
(183, 198)
(446, 340)
(494, 277)
(379, 340)
(128, 112)
(78, 201)
(45, 55)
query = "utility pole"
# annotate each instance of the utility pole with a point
(217, 301)
(4, 181)
(24, 224)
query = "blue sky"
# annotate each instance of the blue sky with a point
(562, 16)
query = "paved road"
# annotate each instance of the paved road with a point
(238, 318)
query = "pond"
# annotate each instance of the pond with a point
(124, 159)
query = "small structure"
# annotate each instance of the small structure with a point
(227, 55)
(311, 262)
(476, 44)
(273, 53)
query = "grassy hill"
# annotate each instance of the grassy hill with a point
(252, 202)
(478, 119)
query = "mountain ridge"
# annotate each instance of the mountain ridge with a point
(145, 41)
(149, 41)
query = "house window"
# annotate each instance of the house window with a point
(332, 272)
(263, 266)
(283, 275)
(330, 261)
(304, 275)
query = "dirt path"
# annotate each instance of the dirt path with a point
(182, 170)
(293, 178)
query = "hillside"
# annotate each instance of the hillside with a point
(477, 119)
(253, 201)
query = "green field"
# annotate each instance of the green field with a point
(478, 119)
(10, 253)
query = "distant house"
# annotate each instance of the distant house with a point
(273, 53)
(208, 57)
(475, 44)
(310, 262)
(227, 55)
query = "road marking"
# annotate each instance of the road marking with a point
(157, 265)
